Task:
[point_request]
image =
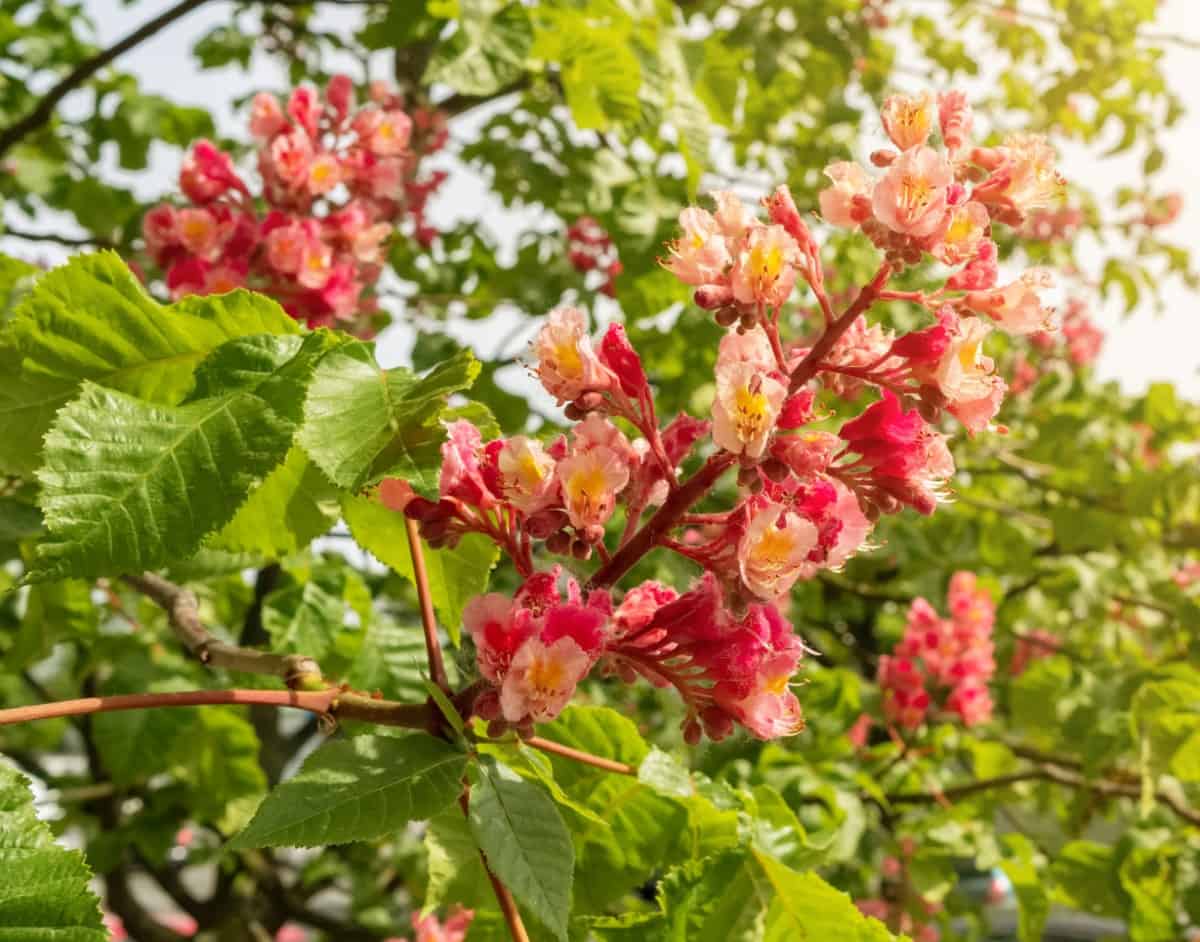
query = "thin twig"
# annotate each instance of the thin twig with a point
(45, 107)
(578, 755)
(314, 702)
(81, 242)
(433, 647)
(1057, 775)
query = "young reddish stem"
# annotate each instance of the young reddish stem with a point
(811, 364)
(433, 648)
(664, 519)
(320, 703)
(578, 755)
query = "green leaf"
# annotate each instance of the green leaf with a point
(665, 774)
(455, 574)
(486, 53)
(304, 618)
(129, 486)
(1085, 875)
(44, 892)
(363, 422)
(92, 320)
(358, 790)
(518, 827)
(218, 760)
(54, 612)
(293, 506)
(1029, 887)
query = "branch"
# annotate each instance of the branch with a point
(811, 364)
(433, 648)
(81, 242)
(508, 906)
(44, 109)
(183, 615)
(666, 517)
(1057, 775)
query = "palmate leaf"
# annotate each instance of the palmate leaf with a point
(129, 486)
(358, 790)
(44, 891)
(92, 320)
(527, 845)
(362, 421)
(455, 573)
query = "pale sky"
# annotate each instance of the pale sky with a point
(1140, 349)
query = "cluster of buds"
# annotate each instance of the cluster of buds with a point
(591, 249)
(807, 497)
(899, 906)
(950, 659)
(336, 182)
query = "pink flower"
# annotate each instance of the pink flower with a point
(1023, 176)
(316, 261)
(527, 474)
(764, 267)
(907, 120)
(910, 198)
(639, 606)
(733, 217)
(964, 376)
(566, 364)
(304, 108)
(972, 702)
(968, 228)
(770, 710)
(747, 404)
(598, 432)
(160, 229)
(847, 202)
(774, 550)
(266, 117)
(490, 621)
(290, 932)
(115, 927)
(1017, 307)
(454, 929)
(201, 233)
(461, 475)
(340, 95)
(285, 248)
(390, 135)
(324, 173)
(396, 493)
(700, 255)
(806, 453)
(542, 679)
(590, 481)
(208, 173)
(618, 355)
(289, 158)
(955, 118)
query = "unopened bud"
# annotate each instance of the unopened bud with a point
(497, 728)
(711, 297)
(717, 723)
(775, 470)
(581, 549)
(727, 316)
(750, 479)
(545, 523)
(559, 543)
(884, 157)
(593, 534)
(692, 733)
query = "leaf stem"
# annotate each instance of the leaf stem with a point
(578, 755)
(508, 906)
(433, 647)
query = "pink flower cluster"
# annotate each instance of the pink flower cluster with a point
(807, 496)
(336, 181)
(591, 249)
(952, 657)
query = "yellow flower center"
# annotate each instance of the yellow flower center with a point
(773, 548)
(914, 192)
(750, 412)
(766, 263)
(960, 229)
(545, 674)
(529, 469)
(566, 355)
(195, 227)
(585, 488)
(968, 354)
(777, 685)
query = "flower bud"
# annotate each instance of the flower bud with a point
(775, 470)
(692, 733)
(711, 297)
(727, 316)
(883, 157)
(559, 543)
(545, 523)
(581, 549)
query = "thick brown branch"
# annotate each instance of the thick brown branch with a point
(183, 615)
(45, 107)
